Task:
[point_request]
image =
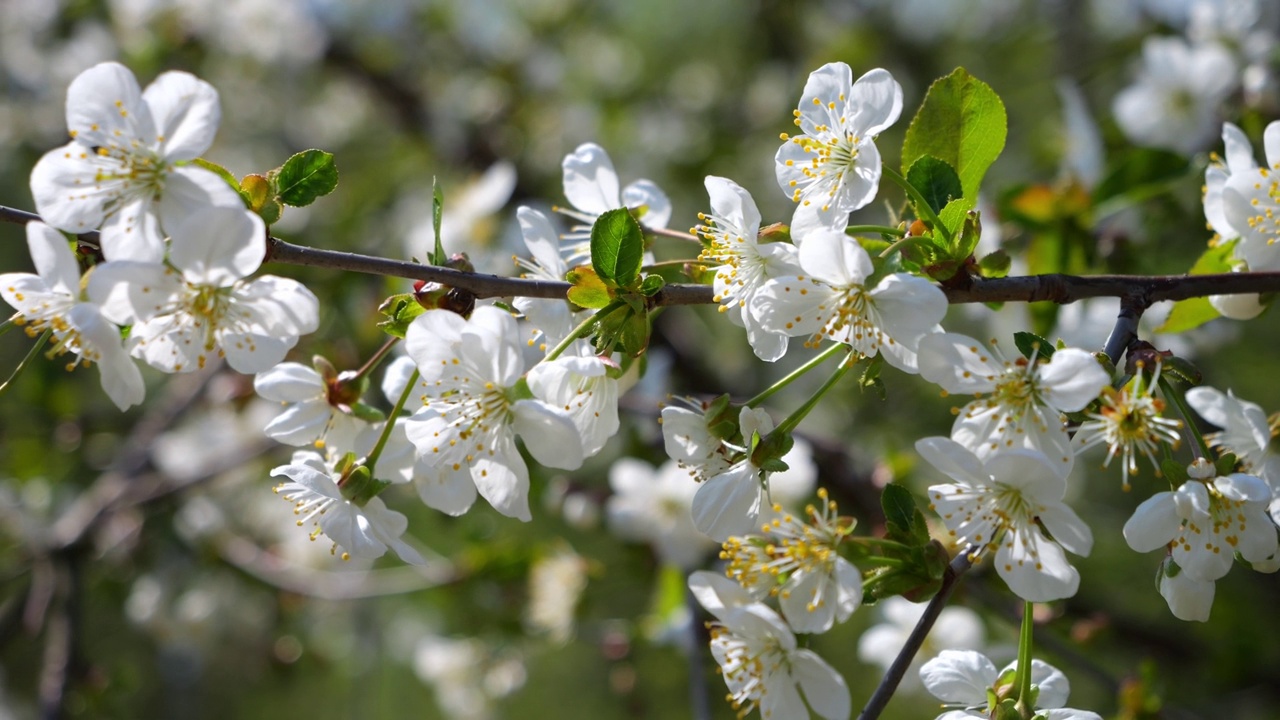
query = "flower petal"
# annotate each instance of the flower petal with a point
(590, 182)
(729, 503)
(959, 676)
(186, 114)
(217, 246)
(648, 202)
(549, 435)
(824, 688)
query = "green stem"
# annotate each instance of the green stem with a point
(877, 542)
(1024, 661)
(35, 350)
(8, 325)
(874, 230)
(1201, 448)
(791, 377)
(372, 460)
(900, 244)
(794, 418)
(922, 205)
(583, 328)
(378, 357)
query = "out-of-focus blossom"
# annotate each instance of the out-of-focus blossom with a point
(1175, 101)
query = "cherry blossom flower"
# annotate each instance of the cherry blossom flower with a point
(591, 187)
(50, 300)
(123, 168)
(1021, 401)
(798, 562)
(758, 656)
(313, 486)
(310, 414)
(583, 388)
(741, 262)
(833, 167)
(1205, 521)
(1129, 422)
(968, 681)
(833, 301)
(1174, 102)
(1188, 599)
(1246, 433)
(201, 304)
(1000, 505)
(687, 440)
(1241, 212)
(472, 411)
(554, 317)
(652, 505)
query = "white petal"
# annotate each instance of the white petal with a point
(131, 291)
(490, 342)
(1068, 529)
(717, 593)
(66, 189)
(132, 232)
(1245, 488)
(1035, 568)
(958, 363)
(1071, 379)
(590, 182)
(254, 352)
(105, 109)
(542, 240)
(649, 204)
(729, 503)
(450, 491)
(283, 306)
(300, 424)
(290, 382)
(55, 263)
(909, 307)
(953, 460)
(430, 341)
(823, 687)
(835, 258)
(1054, 686)
(1188, 599)
(548, 434)
(959, 676)
(217, 246)
(1237, 149)
(1153, 524)
(1237, 307)
(189, 188)
(503, 479)
(387, 526)
(732, 202)
(877, 98)
(186, 114)
(119, 376)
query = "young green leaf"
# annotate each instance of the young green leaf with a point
(936, 180)
(588, 290)
(1031, 344)
(617, 247)
(962, 122)
(995, 265)
(437, 214)
(305, 177)
(651, 285)
(899, 510)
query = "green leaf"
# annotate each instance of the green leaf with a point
(437, 214)
(1174, 471)
(651, 285)
(1030, 343)
(305, 177)
(1226, 464)
(900, 516)
(962, 122)
(220, 171)
(400, 310)
(1190, 314)
(995, 265)
(634, 336)
(368, 413)
(936, 180)
(617, 247)
(588, 290)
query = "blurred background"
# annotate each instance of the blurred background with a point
(146, 569)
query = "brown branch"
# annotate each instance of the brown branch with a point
(1061, 289)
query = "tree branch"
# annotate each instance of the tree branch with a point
(889, 683)
(1061, 289)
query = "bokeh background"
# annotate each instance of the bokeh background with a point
(145, 555)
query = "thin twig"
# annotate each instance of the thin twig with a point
(1061, 289)
(889, 683)
(1126, 327)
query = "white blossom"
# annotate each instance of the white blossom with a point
(833, 167)
(201, 304)
(1000, 505)
(742, 263)
(591, 186)
(966, 679)
(1246, 433)
(50, 300)
(832, 300)
(1175, 101)
(760, 661)
(1021, 401)
(1128, 423)
(360, 531)
(957, 628)
(122, 168)
(471, 413)
(653, 505)
(310, 415)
